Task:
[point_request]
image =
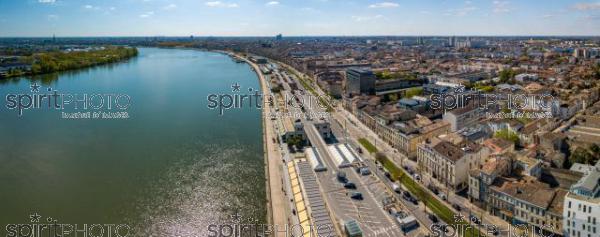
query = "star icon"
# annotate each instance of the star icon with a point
(35, 217)
(235, 87)
(459, 89)
(236, 217)
(459, 217)
(35, 87)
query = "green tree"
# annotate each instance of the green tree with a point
(484, 88)
(580, 155)
(295, 141)
(413, 92)
(507, 135)
(506, 75)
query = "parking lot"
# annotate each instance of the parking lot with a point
(368, 212)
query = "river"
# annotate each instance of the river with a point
(171, 166)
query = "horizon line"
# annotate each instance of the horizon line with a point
(296, 36)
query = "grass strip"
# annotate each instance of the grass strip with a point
(433, 204)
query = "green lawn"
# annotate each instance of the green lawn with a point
(433, 204)
(367, 145)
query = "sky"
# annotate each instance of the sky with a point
(65, 18)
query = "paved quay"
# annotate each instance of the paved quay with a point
(277, 213)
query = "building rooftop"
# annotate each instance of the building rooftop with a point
(556, 206)
(498, 144)
(408, 102)
(528, 190)
(449, 150)
(581, 168)
(590, 181)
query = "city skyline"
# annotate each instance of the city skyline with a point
(66, 18)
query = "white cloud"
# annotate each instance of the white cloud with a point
(90, 7)
(272, 3)
(221, 4)
(112, 8)
(501, 6)
(147, 14)
(52, 17)
(384, 5)
(170, 6)
(366, 18)
(47, 1)
(460, 12)
(587, 6)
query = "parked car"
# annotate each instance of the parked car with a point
(359, 150)
(388, 175)
(414, 201)
(433, 218)
(456, 206)
(474, 219)
(356, 196)
(417, 177)
(350, 185)
(364, 171)
(408, 197)
(443, 196)
(433, 189)
(341, 176)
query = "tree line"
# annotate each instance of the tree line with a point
(56, 61)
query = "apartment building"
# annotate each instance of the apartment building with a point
(463, 117)
(448, 163)
(527, 201)
(582, 204)
(508, 186)
(401, 128)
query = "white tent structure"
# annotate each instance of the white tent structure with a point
(338, 157)
(315, 159)
(348, 153)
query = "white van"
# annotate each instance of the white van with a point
(396, 188)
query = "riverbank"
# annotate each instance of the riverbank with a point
(50, 62)
(276, 200)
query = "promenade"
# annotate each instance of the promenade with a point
(276, 200)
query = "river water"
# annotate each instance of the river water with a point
(172, 167)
